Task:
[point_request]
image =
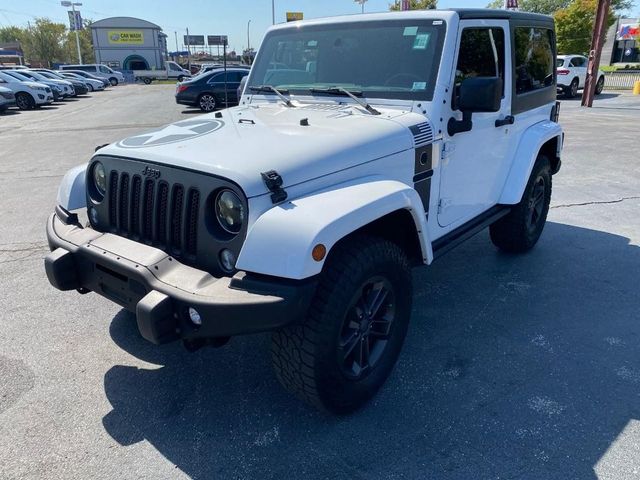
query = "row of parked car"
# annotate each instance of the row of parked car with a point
(28, 88)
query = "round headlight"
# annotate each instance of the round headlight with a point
(229, 211)
(100, 178)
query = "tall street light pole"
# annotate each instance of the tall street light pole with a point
(361, 2)
(248, 37)
(273, 12)
(73, 6)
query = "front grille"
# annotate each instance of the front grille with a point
(144, 211)
(165, 207)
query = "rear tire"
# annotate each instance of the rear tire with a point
(147, 81)
(24, 101)
(520, 230)
(572, 90)
(345, 349)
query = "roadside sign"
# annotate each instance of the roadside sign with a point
(196, 40)
(215, 40)
(294, 16)
(75, 20)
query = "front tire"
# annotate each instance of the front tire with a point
(113, 81)
(520, 230)
(207, 102)
(90, 87)
(24, 101)
(345, 349)
(600, 86)
(147, 81)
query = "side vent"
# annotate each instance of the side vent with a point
(422, 134)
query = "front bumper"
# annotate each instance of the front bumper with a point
(160, 290)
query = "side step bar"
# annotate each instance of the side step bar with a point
(455, 237)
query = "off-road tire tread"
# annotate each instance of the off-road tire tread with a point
(510, 233)
(293, 348)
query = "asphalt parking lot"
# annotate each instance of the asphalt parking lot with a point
(519, 367)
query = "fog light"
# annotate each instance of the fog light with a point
(195, 316)
(227, 260)
(93, 215)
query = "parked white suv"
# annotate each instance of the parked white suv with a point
(302, 210)
(114, 77)
(572, 74)
(28, 94)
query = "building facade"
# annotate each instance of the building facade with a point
(622, 44)
(126, 43)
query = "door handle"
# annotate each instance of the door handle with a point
(508, 120)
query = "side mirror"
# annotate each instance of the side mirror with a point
(477, 94)
(480, 94)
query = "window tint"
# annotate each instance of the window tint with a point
(481, 55)
(577, 62)
(560, 62)
(534, 59)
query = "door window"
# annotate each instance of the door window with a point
(577, 62)
(481, 55)
(534, 65)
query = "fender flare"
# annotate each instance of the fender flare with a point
(532, 140)
(72, 189)
(280, 241)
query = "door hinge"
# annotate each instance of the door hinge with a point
(443, 203)
(447, 149)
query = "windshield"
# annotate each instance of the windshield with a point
(37, 76)
(51, 75)
(388, 59)
(18, 76)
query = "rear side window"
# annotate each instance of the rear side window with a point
(534, 59)
(577, 62)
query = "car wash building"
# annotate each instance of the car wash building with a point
(126, 43)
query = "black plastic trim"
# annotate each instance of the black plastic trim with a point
(454, 238)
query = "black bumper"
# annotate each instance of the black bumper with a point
(160, 290)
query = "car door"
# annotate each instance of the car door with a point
(474, 163)
(231, 81)
(579, 69)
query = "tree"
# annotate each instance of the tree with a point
(574, 26)
(416, 5)
(11, 34)
(45, 41)
(549, 7)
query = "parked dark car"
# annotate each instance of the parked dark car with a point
(79, 87)
(207, 91)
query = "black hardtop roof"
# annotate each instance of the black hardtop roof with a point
(482, 13)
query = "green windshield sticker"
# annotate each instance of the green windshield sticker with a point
(419, 86)
(421, 41)
(410, 31)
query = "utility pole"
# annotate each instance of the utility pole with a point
(188, 50)
(73, 6)
(361, 2)
(597, 41)
(273, 12)
(177, 47)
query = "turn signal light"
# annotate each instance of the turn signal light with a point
(318, 252)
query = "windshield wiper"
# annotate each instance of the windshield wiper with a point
(344, 91)
(270, 88)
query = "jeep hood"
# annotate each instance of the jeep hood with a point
(299, 143)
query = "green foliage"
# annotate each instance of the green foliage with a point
(47, 42)
(549, 7)
(416, 5)
(574, 26)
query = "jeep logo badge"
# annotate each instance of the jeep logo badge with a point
(151, 172)
(176, 132)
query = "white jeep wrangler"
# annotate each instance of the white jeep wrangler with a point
(362, 146)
